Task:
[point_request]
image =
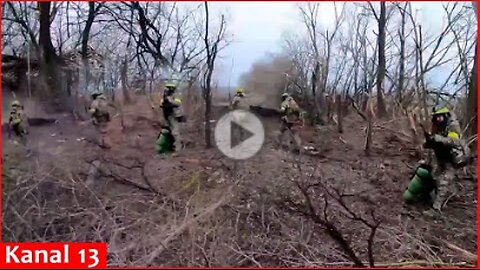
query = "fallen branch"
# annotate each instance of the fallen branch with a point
(127, 182)
(467, 255)
(141, 166)
(393, 131)
(354, 105)
(180, 229)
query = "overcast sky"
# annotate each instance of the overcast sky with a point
(257, 29)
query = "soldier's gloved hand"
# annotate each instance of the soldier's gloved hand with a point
(440, 139)
(421, 162)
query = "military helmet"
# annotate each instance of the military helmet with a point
(240, 90)
(441, 108)
(16, 103)
(285, 96)
(165, 130)
(171, 85)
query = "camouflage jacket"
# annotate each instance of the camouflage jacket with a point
(99, 110)
(172, 106)
(448, 144)
(17, 117)
(290, 110)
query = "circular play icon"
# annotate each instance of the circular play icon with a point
(239, 134)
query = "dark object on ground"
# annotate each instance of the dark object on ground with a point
(165, 141)
(265, 112)
(41, 121)
(33, 122)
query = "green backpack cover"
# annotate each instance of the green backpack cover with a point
(165, 142)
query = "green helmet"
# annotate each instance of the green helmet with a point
(16, 103)
(240, 90)
(171, 85)
(441, 108)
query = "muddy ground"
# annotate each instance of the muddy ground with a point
(200, 208)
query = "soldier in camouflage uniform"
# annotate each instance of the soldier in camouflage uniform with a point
(291, 115)
(100, 116)
(450, 151)
(17, 122)
(238, 105)
(173, 114)
(239, 101)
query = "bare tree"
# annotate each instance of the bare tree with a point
(93, 11)
(381, 21)
(21, 14)
(50, 59)
(212, 47)
(401, 72)
(310, 15)
(321, 63)
(471, 116)
(316, 204)
(439, 55)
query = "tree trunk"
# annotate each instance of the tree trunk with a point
(208, 110)
(124, 80)
(423, 96)
(401, 75)
(314, 80)
(339, 113)
(328, 112)
(368, 138)
(84, 51)
(471, 118)
(88, 27)
(365, 89)
(52, 90)
(45, 37)
(381, 110)
(211, 51)
(207, 96)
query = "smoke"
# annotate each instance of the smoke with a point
(266, 80)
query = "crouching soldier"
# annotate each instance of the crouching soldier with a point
(451, 154)
(291, 115)
(100, 117)
(239, 107)
(173, 114)
(17, 122)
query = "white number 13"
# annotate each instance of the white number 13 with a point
(93, 256)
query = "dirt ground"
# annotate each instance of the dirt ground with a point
(199, 208)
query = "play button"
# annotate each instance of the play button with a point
(239, 134)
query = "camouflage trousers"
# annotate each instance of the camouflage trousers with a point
(445, 184)
(292, 135)
(101, 129)
(176, 128)
(21, 133)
